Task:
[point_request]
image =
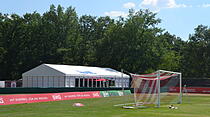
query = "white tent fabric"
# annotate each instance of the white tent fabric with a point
(52, 75)
(85, 70)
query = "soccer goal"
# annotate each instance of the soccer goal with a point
(156, 88)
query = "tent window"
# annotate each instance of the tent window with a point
(77, 82)
(80, 82)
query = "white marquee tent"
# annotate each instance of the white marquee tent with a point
(52, 75)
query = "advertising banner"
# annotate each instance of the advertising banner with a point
(32, 98)
(191, 89)
(115, 93)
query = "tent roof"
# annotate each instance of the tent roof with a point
(72, 70)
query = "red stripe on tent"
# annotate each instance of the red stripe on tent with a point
(101, 80)
(96, 79)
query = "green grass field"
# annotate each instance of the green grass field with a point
(193, 106)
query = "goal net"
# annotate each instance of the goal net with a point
(155, 88)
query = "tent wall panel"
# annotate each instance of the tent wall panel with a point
(30, 81)
(126, 82)
(55, 81)
(40, 81)
(45, 81)
(61, 81)
(25, 81)
(67, 82)
(35, 81)
(51, 81)
(71, 81)
(117, 84)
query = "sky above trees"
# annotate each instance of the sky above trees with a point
(179, 17)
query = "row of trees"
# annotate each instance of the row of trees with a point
(135, 43)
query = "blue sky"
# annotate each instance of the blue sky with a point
(179, 17)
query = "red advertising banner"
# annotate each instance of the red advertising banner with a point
(191, 89)
(32, 98)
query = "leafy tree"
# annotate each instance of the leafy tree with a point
(127, 43)
(170, 50)
(197, 53)
(12, 36)
(134, 43)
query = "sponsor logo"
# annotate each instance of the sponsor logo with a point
(191, 90)
(85, 72)
(111, 70)
(206, 91)
(96, 95)
(1, 101)
(105, 94)
(120, 93)
(173, 89)
(56, 97)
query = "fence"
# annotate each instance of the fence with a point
(196, 82)
(52, 90)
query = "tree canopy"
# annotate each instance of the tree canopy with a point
(134, 43)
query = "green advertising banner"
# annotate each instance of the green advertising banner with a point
(115, 93)
(104, 93)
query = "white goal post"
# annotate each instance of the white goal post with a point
(155, 88)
